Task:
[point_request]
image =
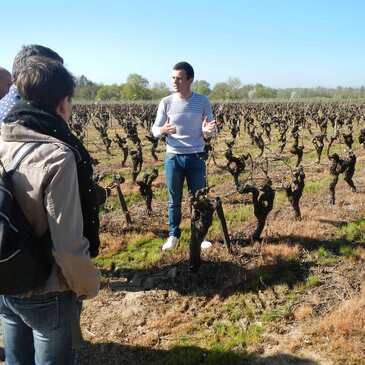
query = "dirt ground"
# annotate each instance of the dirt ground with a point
(293, 298)
(147, 316)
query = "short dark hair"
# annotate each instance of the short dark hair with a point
(32, 50)
(187, 67)
(45, 81)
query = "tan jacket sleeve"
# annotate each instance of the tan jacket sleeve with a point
(70, 247)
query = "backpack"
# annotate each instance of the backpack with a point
(25, 259)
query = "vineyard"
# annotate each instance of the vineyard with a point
(284, 208)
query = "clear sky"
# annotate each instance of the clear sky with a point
(280, 43)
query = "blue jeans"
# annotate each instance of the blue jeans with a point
(37, 330)
(177, 168)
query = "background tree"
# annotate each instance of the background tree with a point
(85, 89)
(109, 92)
(202, 87)
(262, 92)
(136, 88)
(221, 91)
(159, 90)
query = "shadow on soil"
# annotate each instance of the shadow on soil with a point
(115, 354)
(312, 244)
(222, 278)
(337, 224)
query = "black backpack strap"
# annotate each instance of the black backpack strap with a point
(23, 151)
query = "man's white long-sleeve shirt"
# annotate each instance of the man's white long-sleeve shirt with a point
(187, 116)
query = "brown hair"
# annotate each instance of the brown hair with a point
(29, 51)
(45, 81)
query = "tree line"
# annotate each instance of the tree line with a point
(138, 88)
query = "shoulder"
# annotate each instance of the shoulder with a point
(167, 100)
(55, 156)
(202, 99)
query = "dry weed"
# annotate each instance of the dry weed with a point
(271, 253)
(345, 327)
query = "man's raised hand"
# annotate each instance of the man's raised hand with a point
(209, 127)
(168, 128)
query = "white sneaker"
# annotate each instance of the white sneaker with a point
(170, 243)
(205, 245)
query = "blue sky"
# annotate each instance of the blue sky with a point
(279, 43)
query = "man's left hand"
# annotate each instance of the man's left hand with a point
(209, 127)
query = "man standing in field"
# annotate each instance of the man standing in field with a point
(183, 117)
(5, 82)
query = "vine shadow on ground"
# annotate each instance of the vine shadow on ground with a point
(312, 244)
(222, 278)
(117, 354)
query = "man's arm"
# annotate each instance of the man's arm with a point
(207, 111)
(160, 120)
(209, 126)
(69, 247)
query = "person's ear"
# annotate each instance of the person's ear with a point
(62, 108)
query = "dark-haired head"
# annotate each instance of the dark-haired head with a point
(29, 51)
(46, 82)
(186, 67)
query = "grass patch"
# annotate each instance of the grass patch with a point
(315, 186)
(325, 256)
(228, 335)
(133, 197)
(354, 231)
(275, 314)
(160, 194)
(313, 281)
(280, 197)
(141, 253)
(234, 217)
(237, 307)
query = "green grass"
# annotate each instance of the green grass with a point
(276, 313)
(347, 251)
(326, 257)
(280, 198)
(354, 231)
(316, 186)
(228, 335)
(133, 197)
(313, 281)
(140, 254)
(236, 307)
(160, 195)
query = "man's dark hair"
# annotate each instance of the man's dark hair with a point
(45, 81)
(187, 67)
(32, 50)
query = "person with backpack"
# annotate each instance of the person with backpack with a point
(51, 182)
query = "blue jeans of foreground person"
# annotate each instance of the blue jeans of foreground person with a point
(37, 330)
(177, 168)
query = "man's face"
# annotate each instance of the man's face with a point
(180, 82)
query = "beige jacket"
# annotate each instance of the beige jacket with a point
(46, 187)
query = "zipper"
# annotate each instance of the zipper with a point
(11, 256)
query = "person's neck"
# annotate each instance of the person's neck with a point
(185, 95)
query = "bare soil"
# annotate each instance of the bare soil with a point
(141, 317)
